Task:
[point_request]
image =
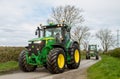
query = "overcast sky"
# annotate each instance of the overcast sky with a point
(19, 18)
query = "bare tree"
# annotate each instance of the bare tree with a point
(73, 17)
(106, 39)
(80, 33)
(85, 42)
(70, 14)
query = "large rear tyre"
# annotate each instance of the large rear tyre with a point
(56, 61)
(75, 57)
(23, 63)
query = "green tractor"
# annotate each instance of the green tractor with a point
(92, 52)
(53, 49)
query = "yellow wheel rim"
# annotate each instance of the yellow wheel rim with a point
(61, 61)
(77, 56)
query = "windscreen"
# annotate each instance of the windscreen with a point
(92, 47)
(52, 32)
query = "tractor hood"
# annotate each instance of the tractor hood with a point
(44, 38)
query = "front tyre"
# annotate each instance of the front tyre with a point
(56, 61)
(23, 63)
(75, 57)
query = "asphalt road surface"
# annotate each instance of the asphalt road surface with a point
(42, 73)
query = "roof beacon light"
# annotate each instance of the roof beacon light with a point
(61, 24)
(40, 24)
(58, 25)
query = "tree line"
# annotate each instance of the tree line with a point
(74, 19)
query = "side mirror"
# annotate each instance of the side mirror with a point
(36, 32)
(68, 29)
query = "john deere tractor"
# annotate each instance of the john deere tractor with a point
(92, 52)
(53, 49)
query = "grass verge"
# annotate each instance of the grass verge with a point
(107, 68)
(8, 66)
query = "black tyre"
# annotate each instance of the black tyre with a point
(23, 63)
(56, 61)
(87, 57)
(45, 66)
(97, 57)
(75, 57)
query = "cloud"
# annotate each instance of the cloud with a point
(19, 18)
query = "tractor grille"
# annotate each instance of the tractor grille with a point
(34, 48)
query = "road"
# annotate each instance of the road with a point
(42, 73)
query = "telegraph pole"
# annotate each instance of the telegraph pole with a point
(117, 38)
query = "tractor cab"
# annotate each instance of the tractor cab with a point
(92, 48)
(58, 32)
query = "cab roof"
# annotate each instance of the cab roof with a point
(54, 26)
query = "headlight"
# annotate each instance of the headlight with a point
(29, 49)
(37, 41)
(37, 48)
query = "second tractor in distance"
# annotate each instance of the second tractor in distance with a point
(92, 52)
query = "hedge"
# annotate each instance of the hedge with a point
(115, 52)
(9, 53)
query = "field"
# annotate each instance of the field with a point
(8, 66)
(9, 58)
(107, 68)
(9, 53)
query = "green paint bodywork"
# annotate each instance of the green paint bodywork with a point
(41, 58)
(92, 50)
